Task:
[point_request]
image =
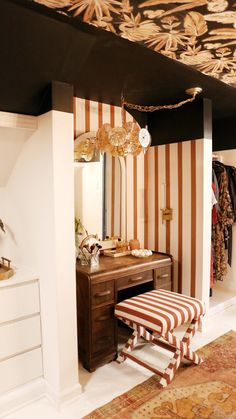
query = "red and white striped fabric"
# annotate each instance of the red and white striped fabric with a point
(159, 310)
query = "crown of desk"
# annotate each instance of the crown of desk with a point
(98, 290)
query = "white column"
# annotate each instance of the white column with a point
(40, 214)
(203, 233)
(63, 378)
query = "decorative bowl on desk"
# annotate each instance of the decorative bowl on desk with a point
(141, 253)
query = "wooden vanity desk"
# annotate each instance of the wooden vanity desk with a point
(100, 288)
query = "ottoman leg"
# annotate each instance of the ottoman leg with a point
(129, 346)
(171, 368)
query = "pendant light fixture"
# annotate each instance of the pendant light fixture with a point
(128, 139)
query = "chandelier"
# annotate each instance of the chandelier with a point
(84, 147)
(129, 139)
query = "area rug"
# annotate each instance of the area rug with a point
(197, 391)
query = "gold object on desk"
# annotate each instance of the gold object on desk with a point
(122, 246)
(115, 253)
(5, 270)
(134, 244)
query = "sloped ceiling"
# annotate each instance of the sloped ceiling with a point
(199, 33)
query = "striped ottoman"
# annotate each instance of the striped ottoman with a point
(154, 316)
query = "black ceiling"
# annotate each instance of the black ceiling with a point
(39, 45)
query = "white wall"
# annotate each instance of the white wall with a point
(3, 241)
(39, 214)
(229, 283)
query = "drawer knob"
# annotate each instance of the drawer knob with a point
(103, 293)
(163, 276)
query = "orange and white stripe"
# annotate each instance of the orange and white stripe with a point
(167, 175)
(161, 311)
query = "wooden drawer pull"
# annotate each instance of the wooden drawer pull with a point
(103, 318)
(163, 276)
(135, 279)
(103, 293)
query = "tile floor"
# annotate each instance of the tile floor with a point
(111, 380)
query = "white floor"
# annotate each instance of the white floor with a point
(112, 379)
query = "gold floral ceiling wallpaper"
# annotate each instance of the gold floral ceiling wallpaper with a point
(199, 33)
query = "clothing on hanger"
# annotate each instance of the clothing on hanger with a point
(222, 226)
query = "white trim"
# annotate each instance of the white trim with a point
(21, 396)
(14, 120)
(221, 306)
(28, 393)
(59, 399)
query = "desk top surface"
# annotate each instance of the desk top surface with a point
(124, 263)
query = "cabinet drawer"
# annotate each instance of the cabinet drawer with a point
(20, 369)
(131, 280)
(103, 329)
(163, 278)
(19, 336)
(19, 301)
(102, 293)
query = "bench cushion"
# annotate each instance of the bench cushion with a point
(159, 310)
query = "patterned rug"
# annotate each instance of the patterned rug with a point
(197, 392)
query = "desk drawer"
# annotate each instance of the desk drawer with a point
(103, 329)
(131, 280)
(163, 278)
(102, 293)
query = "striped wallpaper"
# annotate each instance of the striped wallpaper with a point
(166, 176)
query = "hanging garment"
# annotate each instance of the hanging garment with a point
(225, 218)
(211, 269)
(214, 204)
(214, 221)
(231, 172)
(215, 187)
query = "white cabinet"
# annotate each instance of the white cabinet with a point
(19, 301)
(19, 336)
(20, 369)
(20, 332)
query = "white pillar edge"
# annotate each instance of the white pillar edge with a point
(204, 233)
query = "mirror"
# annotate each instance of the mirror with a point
(101, 209)
(100, 196)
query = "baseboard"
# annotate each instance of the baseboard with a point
(21, 396)
(217, 308)
(30, 392)
(60, 399)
